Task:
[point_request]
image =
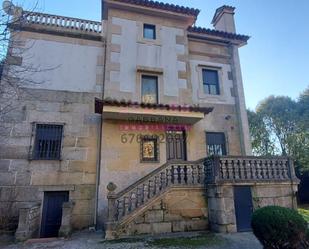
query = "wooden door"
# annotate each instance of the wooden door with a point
(52, 213)
(176, 145)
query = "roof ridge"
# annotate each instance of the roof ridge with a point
(164, 6)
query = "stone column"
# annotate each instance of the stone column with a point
(66, 227)
(110, 232)
(28, 222)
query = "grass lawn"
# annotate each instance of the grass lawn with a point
(190, 242)
(304, 213)
(204, 240)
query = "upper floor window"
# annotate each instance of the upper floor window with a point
(215, 143)
(149, 31)
(211, 82)
(47, 143)
(149, 89)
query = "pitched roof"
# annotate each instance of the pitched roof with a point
(222, 34)
(163, 6)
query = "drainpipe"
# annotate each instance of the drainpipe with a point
(99, 143)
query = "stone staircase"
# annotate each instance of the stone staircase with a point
(126, 205)
(145, 197)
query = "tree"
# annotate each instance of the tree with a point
(262, 144)
(279, 126)
(16, 70)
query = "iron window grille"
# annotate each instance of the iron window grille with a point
(211, 82)
(216, 144)
(47, 142)
(150, 31)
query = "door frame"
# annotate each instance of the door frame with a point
(235, 210)
(184, 135)
(43, 210)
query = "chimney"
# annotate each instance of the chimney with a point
(223, 19)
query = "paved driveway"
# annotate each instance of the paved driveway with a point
(86, 240)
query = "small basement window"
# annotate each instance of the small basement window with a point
(48, 142)
(149, 31)
(149, 149)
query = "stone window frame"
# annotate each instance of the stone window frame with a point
(157, 149)
(201, 94)
(140, 34)
(31, 157)
(226, 140)
(143, 71)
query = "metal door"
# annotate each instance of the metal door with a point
(52, 213)
(243, 207)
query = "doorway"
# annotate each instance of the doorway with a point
(243, 207)
(52, 213)
(176, 145)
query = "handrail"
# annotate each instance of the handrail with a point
(81, 25)
(154, 172)
(173, 173)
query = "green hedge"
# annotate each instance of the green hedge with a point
(280, 228)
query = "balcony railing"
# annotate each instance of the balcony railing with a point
(235, 169)
(62, 22)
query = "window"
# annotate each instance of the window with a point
(150, 89)
(211, 82)
(149, 31)
(215, 143)
(149, 149)
(47, 144)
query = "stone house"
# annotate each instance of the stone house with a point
(138, 126)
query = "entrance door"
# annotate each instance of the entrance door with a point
(52, 213)
(243, 207)
(176, 145)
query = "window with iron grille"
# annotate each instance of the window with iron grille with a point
(215, 143)
(211, 82)
(48, 142)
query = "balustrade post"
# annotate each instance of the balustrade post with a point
(291, 168)
(216, 169)
(112, 210)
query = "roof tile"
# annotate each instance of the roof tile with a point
(163, 6)
(214, 32)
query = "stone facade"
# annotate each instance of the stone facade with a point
(221, 207)
(83, 61)
(177, 210)
(24, 180)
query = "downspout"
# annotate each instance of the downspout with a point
(99, 143)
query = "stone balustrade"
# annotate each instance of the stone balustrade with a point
(233, 168)
(152, 185)
(67, 23)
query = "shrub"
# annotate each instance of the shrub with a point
(280, 228)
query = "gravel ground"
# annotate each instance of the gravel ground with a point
(87, 240)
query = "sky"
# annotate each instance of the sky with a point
(274, 62)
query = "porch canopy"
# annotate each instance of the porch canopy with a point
(152, 113)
